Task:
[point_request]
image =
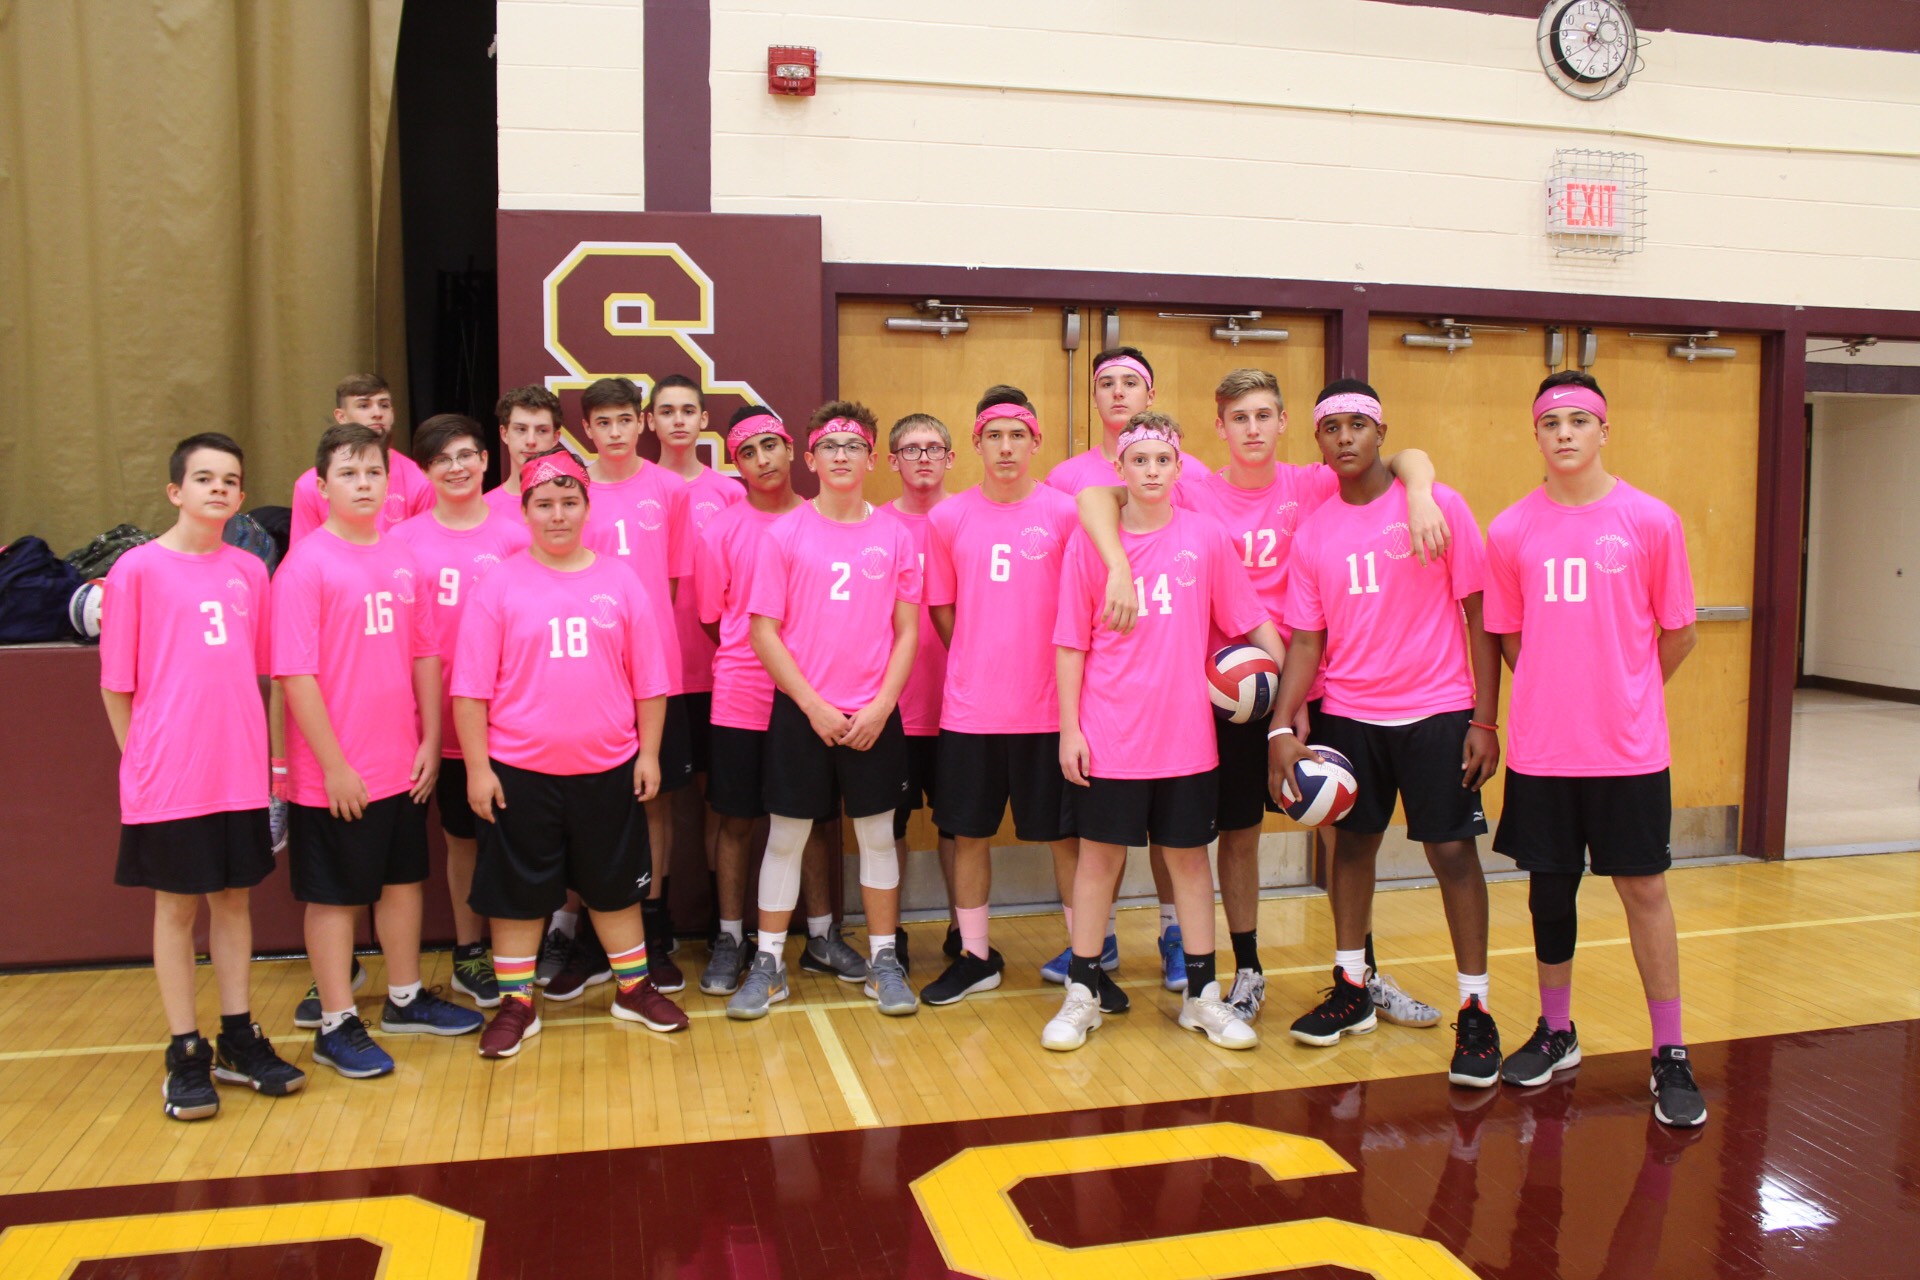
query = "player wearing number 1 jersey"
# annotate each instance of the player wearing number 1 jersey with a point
(1590, 599)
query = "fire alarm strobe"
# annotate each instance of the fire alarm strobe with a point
(790, 70)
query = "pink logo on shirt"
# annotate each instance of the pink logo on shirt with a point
(483, 562)
(238, 596)
(1183, 565)
(1034, 539)
(647, 514)
(1399, 540)
(605, 608)
(403, 585)
(703, 512)
(874, 562)
(395, 509)
(1612, 547)
(1286, 518)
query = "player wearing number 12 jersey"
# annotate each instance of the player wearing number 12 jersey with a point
(1587, 577)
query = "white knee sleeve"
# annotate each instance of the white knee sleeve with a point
(780, 869)
(879, 860)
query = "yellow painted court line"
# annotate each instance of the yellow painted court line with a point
(822, 1008)
(859, 1106)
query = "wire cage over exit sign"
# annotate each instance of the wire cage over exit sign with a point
(1597, 203)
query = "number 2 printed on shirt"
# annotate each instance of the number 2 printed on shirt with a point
(839, 589)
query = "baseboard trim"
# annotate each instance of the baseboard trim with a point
(1886, 693)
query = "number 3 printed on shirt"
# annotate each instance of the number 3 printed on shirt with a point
(839, 589)
(216, 632)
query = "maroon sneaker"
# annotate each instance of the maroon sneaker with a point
(644, 1004)
(663, 972)
(586, 966)
(516, 1023)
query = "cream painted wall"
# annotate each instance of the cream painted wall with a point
(571, 82)
(1863, 546)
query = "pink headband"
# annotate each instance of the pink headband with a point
(1571, 398)
(1125, 362)
(1347, 402)
(760, 424)
(1016, 411)
(562, 465)
(839, 424)
(1136, 435)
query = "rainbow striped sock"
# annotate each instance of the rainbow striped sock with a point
(629, 967)
(515, 975)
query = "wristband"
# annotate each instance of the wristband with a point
(1274, 733)
(1482, 724)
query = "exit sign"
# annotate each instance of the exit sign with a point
(1589, 206)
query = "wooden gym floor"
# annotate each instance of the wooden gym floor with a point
(827, 1140)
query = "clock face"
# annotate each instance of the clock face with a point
(1591, 39)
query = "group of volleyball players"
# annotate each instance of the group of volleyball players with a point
(571, 658)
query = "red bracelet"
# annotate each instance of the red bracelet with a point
(1482, 724)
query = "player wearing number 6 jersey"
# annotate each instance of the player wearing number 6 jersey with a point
(357, 651)
(1590, 600)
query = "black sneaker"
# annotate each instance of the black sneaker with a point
(965, 976)
(1346, 1010)
(1545, 1053)
(951, 948)
(1113, 999)
(248, 1058)
(306, 1014)
(1476, 1047)
(1676, 1098)
(473, 975)
(189, 1093)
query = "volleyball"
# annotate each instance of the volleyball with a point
(83, 608)
(1243, 683)
(1323, 790)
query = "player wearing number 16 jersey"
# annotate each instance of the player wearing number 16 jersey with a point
(1591, 601)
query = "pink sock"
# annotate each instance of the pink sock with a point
(973, 930)
(1665, 1016)
(1556, 1006)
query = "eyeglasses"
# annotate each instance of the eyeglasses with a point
(931, 452)
(841, 448)
(464, 458)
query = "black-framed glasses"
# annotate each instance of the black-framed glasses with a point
(841, 448)
(931, 452)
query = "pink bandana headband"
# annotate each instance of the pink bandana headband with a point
(832, 425)
(1348, 402)
(1585, 398)
(1137, 435)
(557, 466)
(760, 424)
(1019, 412)
(1125, 362)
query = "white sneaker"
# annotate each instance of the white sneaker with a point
(1079, 1014)
(1249, 993)
(1209, 1013)
(1397, 1006)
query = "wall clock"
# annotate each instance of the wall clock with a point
(1589, 48)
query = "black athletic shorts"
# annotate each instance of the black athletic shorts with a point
(232, 849)
(1244, 801)
(803, 777)
(922, 777)
(450, 793)
(1418, 762)
(980, 774)
(1624, 824)
(1174, 813)
(584, 832)
(676, 747)
(733, 781)
(699, 729)
(337, 863)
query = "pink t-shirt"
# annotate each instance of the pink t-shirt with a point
(454, 562)
(506, 503)
(920, 700)
(1143, 699)
(409, 492)
(708, 494)
(186, 635)
(560, 658)
(832, 586)
(998, 564)
(354, 617)
(730, 550)
(643, 520)
(1396, 638)
(1589, 589)
(1090, 469)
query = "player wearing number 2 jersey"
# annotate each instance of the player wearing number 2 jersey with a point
(1590, 599)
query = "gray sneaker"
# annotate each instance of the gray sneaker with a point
(722, 975)
(831, 954)
(553, 957)
(766, 986)
(887, 983)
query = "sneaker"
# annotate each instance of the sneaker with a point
(1055, 970)
(1173, 960)
(830, 954)
(952, 947)
(1676, 1098)
(188, 1092)
(1112, 998)
(1345, 1010)
(473, 975)
(553, 957)
(427, 1014)
(249, 1059)
(349, 1050)
(1545, 1053)
(1476, 1047)
(277, 826)
(645, 1004)
(306, 1015)
(1396, 1006)
(1067, 1029)
(765, 986)
(1249, 993)
(1223, 1025)
(721, 977)
(663, 972)
(516, 1023)
(586, 966)
(887, 983)
(965, 976)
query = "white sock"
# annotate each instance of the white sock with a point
(403, 995)
(1113, 920)
(775, 945)
(1355, 965)
(819, 926)
(1169, 918)
(1471, 985)
(330, 1022)
(735, 929)
(878, 942)
(566, 921)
